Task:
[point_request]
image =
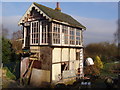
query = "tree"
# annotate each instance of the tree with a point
(91, 70)
(98, 63)
(6, 50)
(17, 41)
(8, 54)
(4, 32)
(107, 51)
(117, 37)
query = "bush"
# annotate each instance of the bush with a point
(9, 74)
(115, 68)
(91, 71)
(105, 50)
(98, 62)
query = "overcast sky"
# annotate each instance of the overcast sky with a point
(100, 18)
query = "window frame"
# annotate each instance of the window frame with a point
(78, 36)
(72, 31)
(35, 33)
(44, 32)
(65, 32)
(56, 34)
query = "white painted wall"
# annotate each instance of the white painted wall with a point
(71, 65)
(62, 55)
(76, 64)
(56, 70)
(72, 54)
(65, 54)
(56, 55)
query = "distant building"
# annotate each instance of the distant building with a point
(56, 38)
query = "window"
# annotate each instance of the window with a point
(77, 55)
(72, 36)
(56, 34)
(35, 32)
(77, 37)
(64, 34)
(44, 32)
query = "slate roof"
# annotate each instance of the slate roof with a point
(58, 15)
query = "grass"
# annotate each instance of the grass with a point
(99, 83)
(70, 82)
(106, 70)
(9, 74)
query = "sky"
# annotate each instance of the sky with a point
(100, 18)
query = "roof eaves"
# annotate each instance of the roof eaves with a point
(54, 17)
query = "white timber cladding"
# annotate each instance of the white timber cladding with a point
(40, 32)
(72, 59)
(65, 54)
(72, 54)
(56, 55)
(56, 71)
(74, 65)
(71, 65)
(81, 62)
(60, 55)
(24, 37)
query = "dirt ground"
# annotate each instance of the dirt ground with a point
(8, 83)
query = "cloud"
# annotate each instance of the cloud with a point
(98, 30)
(11, 23)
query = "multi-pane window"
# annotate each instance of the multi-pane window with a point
(44, 32)
(56, 34)
(77, 37)
(35, 32)
(65, 34)
(72, 36)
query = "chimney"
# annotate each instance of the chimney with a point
(58, 7)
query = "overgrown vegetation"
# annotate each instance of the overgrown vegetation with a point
(98, 63)
(106, 61)
(9, 74)
(106, 51)
(111, 69)
(10, 58)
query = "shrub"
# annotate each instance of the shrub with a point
(115, 68)
(9, 74)
(91, 70)
(98, 63)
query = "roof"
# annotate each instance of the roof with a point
(58, 15)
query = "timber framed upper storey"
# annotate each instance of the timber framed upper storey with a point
(46, 26)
